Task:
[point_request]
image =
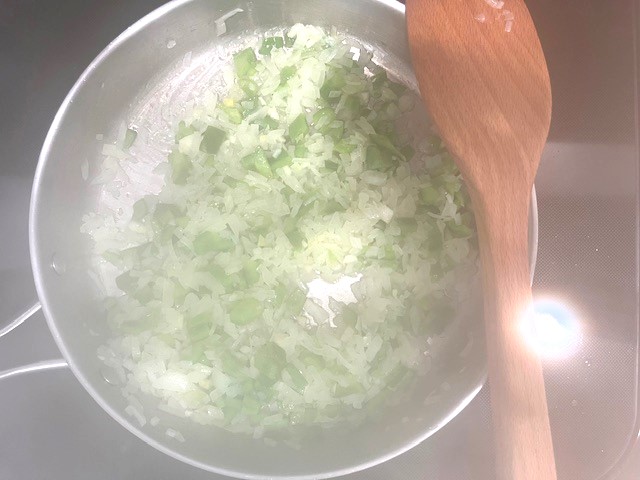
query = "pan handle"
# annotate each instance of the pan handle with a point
(21, 318)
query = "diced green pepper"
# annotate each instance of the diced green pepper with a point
(430, 196)
(407, 152)
(233, 113)
(282, 160)
(351, 389)
(286, 73)
(396, 375)
(298, 380)
(166, 213)
(245, 311)
(270, 123)
(251, 88)
(332, 84)
(184, 130)
(212, 139)
(257, 161)
(376, 159)
(250, 405)
(245, 62)
(386, 145)
(129, 137)
(300, 151)
(312, 359)
(126, 282)
(323, 118)
(140, 210)
(198, 327)
(262, 165)
(180, 167)
(250, 272)
(206, 242)
(270, 359)
(344, 147)
(459, 231)
(298, 128)
(269, 44)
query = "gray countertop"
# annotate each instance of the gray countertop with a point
(588, 258)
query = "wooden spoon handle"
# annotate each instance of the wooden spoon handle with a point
(524, 449)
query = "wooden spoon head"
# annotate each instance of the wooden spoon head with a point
(484, 79)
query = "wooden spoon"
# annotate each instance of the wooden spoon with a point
(483, 77)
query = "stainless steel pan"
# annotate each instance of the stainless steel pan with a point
(142, 77)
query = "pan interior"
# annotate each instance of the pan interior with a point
(147, 78)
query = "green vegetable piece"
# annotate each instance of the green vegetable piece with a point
(298, 128)
(126, 282)
(194, 353)
(234, 115)
(376, 159)
(380, 79)
(407, 152)
(282, 160)
(140, 209)
(289, 41)
(397, 88)
(112, 257)
(350, 316)
(434, 242)
(386, 145)
(332, 207)
(184, 130)
(396, 376)
(270, 359)
(231, 365)
(459, 231)
(344, 147)
(212, 139)
(257, 161)
(430, 196)
(217, 272)
(232, 407)
(286, 73)
(332, 84)
(262, 165)
(331, 166)
(250, 272)
(323, 118)
(336, 132)
(312, 359)
(407, 225)
(298, 380)
(251, 88)
(179, 294)
(250, 406)
(166, 213)
(129, 137)
(207, 242)
(296, 238)
(300, 151)
(143, 295)
(180, 167)
(198, 327)
(269, 44)
(271, 123)
(245, 311)
(352, 108)
(245, 62)
(353, 388)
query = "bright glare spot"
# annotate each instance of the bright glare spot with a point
(551, 328)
